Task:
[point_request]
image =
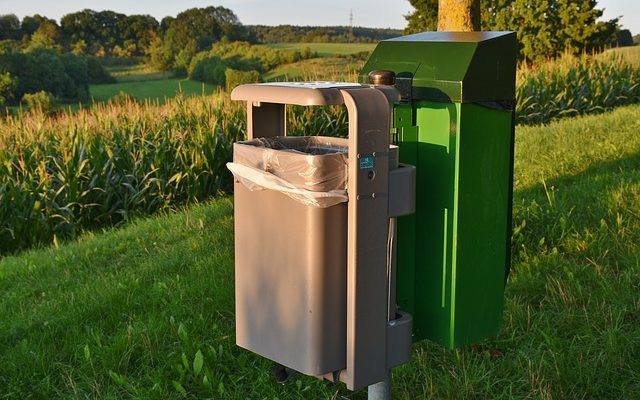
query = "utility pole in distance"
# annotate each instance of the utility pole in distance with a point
(351, 25)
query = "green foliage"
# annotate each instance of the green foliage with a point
(76, 81)
(209, 66)
(40, 69)
(205, 68)
(107, 32)
(318, 34)
(97, 73)
(574, 86)
(8, 85)
(159, 55)
(45, 36)
(624, 38)
(550, 27)
(423, 18)
(30, 24)
(9, 27)
(235, 77)
(545, 28)
(40, 102)
(193, 30)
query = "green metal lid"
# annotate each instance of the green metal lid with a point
(451, 66)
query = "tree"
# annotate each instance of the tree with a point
(30, 24)
(137, 32)
(99, 30)
(45, 36)
(9, 27)
(545, 28)
(459, 15)
(624, 38)
(424, 18)
(199, 27)
(8, 85)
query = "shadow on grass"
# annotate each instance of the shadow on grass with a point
(546, 214)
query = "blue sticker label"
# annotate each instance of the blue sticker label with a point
(367, 162)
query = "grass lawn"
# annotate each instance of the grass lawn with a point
(146, 311)
(151, 89)
(327, 49)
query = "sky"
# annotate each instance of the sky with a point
(374, 14)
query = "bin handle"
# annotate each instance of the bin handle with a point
(257, 179)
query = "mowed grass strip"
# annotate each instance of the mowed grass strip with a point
(146, 311)
(153, 90)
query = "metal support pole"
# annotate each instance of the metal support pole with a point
(380, 390)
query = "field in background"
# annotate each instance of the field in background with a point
(317, 69)
(630, 54)
(327, 49)
(144, 82)
(137, 72)
(149, 89)
(146, 311)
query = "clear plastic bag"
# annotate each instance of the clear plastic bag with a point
(309, 169)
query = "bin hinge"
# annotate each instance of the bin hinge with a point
(404, 127)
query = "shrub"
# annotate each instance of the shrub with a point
(8, 85)
(97, 73)
(40, 101)
(39, 69)
(209, 66)
(207, 69)
(76, 79)
(234, 77)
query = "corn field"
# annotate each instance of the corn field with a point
(74, 171)
(574, 86)
(100, 167)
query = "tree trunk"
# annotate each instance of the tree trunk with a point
(459, 15)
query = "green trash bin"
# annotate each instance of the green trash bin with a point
(455, 123)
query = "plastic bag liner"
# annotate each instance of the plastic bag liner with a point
(310, 169)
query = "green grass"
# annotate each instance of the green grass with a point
(153, 90)
(146, 311)
(327, 49)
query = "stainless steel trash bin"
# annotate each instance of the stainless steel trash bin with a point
(290, 252)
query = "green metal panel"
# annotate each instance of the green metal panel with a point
(457, 129)
(452, 251)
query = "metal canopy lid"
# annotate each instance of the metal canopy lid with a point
(299, 93)
(458, 37)
(451, 66)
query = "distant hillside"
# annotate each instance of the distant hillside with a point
(319, 34)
